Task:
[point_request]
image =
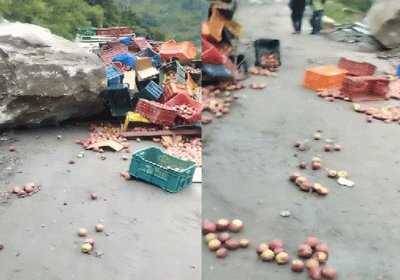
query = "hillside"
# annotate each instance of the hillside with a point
(178, 20)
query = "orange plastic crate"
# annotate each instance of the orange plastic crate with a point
(183, 51)
(324, 77)
(216, 24)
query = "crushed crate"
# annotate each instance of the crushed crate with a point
(165, 171)
(141, 43)
(155, 57)
(355, 68)
(107, 55)
(152, 91)
(366, 88)
(156, 112)
(171, 89)
(183, 99)
(133, 117)
(324, 77)
(210, 54)
(114, 76)
(180, 73)
(119, 99)
(183, 51)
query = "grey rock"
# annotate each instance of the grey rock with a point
(383, 20)
(305, 145)
(46, 79)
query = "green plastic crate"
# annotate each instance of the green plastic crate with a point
(165, 171)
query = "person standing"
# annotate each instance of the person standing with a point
(297, 7)
(318, 10)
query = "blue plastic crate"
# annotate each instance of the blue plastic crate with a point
(119, 99)
(165, 171)
(155, 57)
(216, 72)
(151, 92)
(114, 76)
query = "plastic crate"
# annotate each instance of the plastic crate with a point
(365, 88)
(266, 46)
(114, 76)
(234, 27)
(228, 13)
(216, 24)
(324, 77)
(216, 72)
(183, 51)
(155, 57)
(142, 84)
(210, 54)
(141, 43)
(180, 73)
(355, 68)
(119, 100)
(171, 89)
(107, 55)
(183, 99)
(165, 171)
(156, 112)
(152, 91)
(228, 63)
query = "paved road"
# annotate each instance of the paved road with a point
(248, 155)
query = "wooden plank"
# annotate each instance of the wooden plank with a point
(109, 143)
(161, 133)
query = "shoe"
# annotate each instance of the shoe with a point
(296, 32)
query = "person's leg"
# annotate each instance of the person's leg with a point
(312, 22)
(294, 20)
(301, 14)
(318, 20)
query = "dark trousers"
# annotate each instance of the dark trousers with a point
(297, 18)
(316, 21)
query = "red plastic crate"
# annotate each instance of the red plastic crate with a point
(210, 54)
(181, 99)
(107, 55)
(141, 43)
(156, 112)
(355, 68)
(366, 88)
(183, 51)
(172, 88)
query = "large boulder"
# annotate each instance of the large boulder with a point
(45, 79)
(383, 20)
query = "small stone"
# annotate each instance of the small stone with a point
(285, 213)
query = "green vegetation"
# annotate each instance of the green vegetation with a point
(347, 11)
(163, 19)
(179, 20)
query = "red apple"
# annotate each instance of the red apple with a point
(282, 258)
(312, 241)
(261, 248)
(208, 227)
(222, 224)
(329, 273)
(223, 237)
(236, 226)
(315, 273)
(297, 266)
(267, 255)
(232, 244)
(305, 251)
(222, 253)
(276, 243)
